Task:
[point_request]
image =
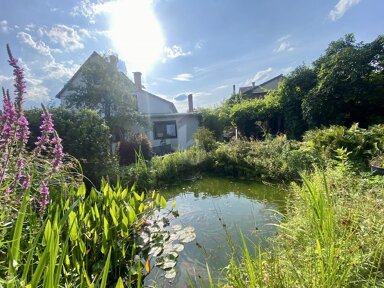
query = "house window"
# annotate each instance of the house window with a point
(164, 129)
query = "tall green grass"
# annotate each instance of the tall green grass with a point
(332, 237)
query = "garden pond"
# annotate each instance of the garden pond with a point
(218, 210)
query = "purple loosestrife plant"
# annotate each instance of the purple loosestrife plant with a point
(19, 168)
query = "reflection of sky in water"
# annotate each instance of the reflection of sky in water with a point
(218, 217)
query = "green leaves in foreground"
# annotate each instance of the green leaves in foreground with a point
(93, 242)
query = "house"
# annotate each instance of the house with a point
(259, 91)
(169, 130)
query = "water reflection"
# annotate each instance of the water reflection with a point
(219, 209)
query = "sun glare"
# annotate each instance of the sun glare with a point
(135, 33)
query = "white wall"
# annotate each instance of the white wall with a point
(186, 125)
(151, 104)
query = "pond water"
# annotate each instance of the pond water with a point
(219, 209)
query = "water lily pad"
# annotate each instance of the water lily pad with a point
(178, 247)
(173, 255)
(168, 263)
(188, 238)
(170, 274)
(173, 237)
(177, 227)
(156, 251)
(189, 229)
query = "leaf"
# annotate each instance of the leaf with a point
(177, 227)
(47, 232)
(178, 247)
(168, 263)
(189, 238)
(119, 283)
(15, 248)
(163, 202)
(155, 251)
(147, 266)
(106, 228)
(173, 204)
(106, 269)
(73, 226)
(170, 274)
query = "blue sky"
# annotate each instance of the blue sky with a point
(181, 46)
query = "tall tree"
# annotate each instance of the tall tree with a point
(292, 91)
(349, 88)
(104, 89)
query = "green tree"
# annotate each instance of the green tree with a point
(109, 92)
(292, 91)
(350, 84)
(85, 136)
(217, 120)
(256, 116)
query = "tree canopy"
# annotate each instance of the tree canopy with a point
(107, 91)
(343, 86)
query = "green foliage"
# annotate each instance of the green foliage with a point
(362, 144)
(350, 82)
(204, 139)
(249, 114)
(216, 120)
(85, 239)
(108, 92)
(293, 89)
(129, 149)
(85, 136)
(331, 238)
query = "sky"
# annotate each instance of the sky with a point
(203, 47)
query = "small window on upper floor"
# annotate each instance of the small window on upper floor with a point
(164, 129)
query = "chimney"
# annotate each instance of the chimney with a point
(190, 103)
(137, 79)
(234, 89)
(113, 60)
(253, 84)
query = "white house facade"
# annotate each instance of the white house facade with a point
(169, 130)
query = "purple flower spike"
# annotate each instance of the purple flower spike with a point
(20, 84)
(57, 153)
(27, 182)
(44, 196)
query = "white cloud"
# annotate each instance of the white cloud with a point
(175, 51)
(86, 9)
(201, 94)
(36, 92)
(4, 26)
(183, 77)
(66, 36)
(56, 70)
(260, 76)
(39, 46)
(221, 87)
(284, 38)
(284, 46)
(341, 7)
(5, 78)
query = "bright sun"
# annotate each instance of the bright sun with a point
(135, 33)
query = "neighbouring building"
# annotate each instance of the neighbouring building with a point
(259, 91)
(169, 130)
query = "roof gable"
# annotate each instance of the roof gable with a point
(130, 85)
(263, 87)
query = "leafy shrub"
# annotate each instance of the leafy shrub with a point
(216, 120)
(86, 137)
(362, 143)
(204, 139)
(138, 143)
